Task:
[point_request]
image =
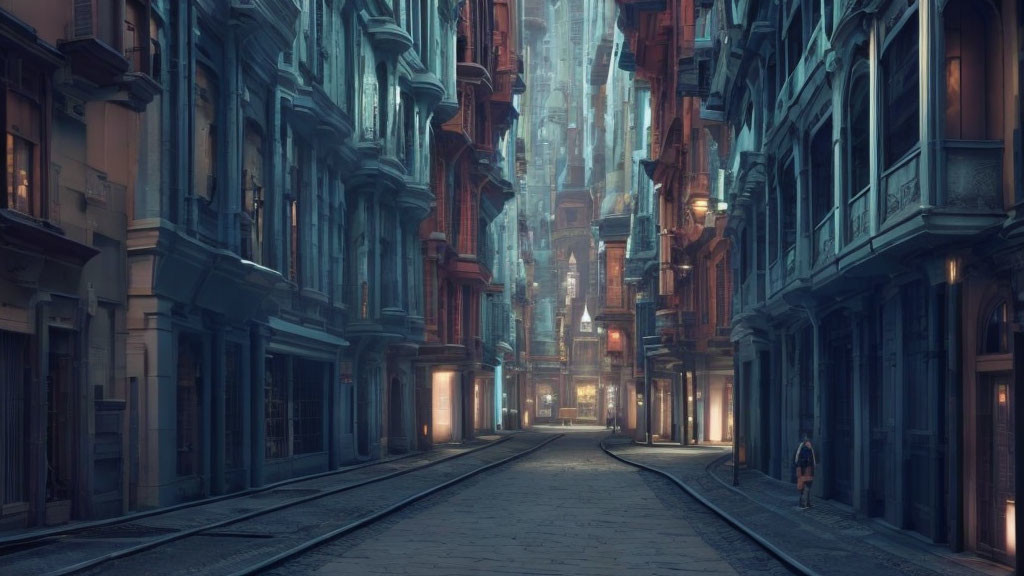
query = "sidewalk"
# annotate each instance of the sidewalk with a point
(827, 538)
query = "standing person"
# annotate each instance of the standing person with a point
(804, 460)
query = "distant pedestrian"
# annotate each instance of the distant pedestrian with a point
(804, 461)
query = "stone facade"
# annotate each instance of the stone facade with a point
(212, 267)
(873, 175)
(680, 255)
(468, 318)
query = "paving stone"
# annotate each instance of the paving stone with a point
(827, 538)
(567, 509)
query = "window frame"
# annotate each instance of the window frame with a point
(895, 43)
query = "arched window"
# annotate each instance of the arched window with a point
(974, 71)
(995, 337)
(859, 127)
(858, 143)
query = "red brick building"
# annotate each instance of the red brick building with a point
(456, 376)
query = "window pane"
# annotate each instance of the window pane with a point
(901, 98)
(19, 174)
(860, 134)
(205, 134)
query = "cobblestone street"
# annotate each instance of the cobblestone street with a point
(567, 509)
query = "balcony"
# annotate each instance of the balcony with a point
(388, 36)
(812, 58)
(274, 18)
(693, 73)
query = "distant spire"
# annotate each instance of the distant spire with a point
(586, 323)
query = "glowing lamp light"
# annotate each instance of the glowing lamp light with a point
(700, 207)
(1011, 528)
(953, 270)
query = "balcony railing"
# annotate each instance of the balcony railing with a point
(901, 189)
(974, 175)
(790, 265)
(858, 217)
(825, 240)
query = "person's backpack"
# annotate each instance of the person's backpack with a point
(805, 457)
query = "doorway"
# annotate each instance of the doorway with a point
(586, 402)
(841, 415)
(441, 390)
(189, 402)
(60, 428)
(995, 465)
(661, 411)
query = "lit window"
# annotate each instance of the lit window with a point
(19, 174)
(614, 340)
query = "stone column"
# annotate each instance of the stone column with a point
(38, 412)
(245, 378)
(218, 430)
(821, 403)
(861, 404)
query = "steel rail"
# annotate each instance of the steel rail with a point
(35, 536)
(160, 541)
(377, 516)
(783, 557)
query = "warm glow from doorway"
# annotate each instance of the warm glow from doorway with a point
(1011, 528)
(442, 400)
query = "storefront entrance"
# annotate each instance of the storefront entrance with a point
(661, 410)
(441, 395)
(586, 402)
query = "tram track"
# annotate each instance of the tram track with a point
(786, 559)
(242, 533)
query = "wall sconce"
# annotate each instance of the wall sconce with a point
(953, 270)
(700, 207)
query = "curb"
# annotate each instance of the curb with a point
(774, 550)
